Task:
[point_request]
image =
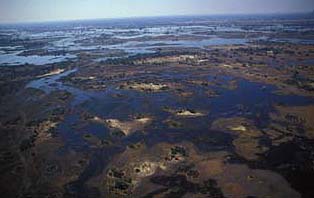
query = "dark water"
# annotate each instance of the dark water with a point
(249, 99)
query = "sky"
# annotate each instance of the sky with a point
(55, 10)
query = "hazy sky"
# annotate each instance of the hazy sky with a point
(48, 10)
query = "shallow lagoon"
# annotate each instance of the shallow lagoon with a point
(15, 59)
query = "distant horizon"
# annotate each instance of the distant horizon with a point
(156, 16)
(32, 11)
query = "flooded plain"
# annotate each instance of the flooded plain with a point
(158, 107)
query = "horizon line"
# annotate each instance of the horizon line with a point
(152, 16)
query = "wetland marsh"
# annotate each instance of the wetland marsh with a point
(158, 107)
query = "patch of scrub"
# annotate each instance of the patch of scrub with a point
(299, 120)
(43, 130)
(167, 168)
(247, 142)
